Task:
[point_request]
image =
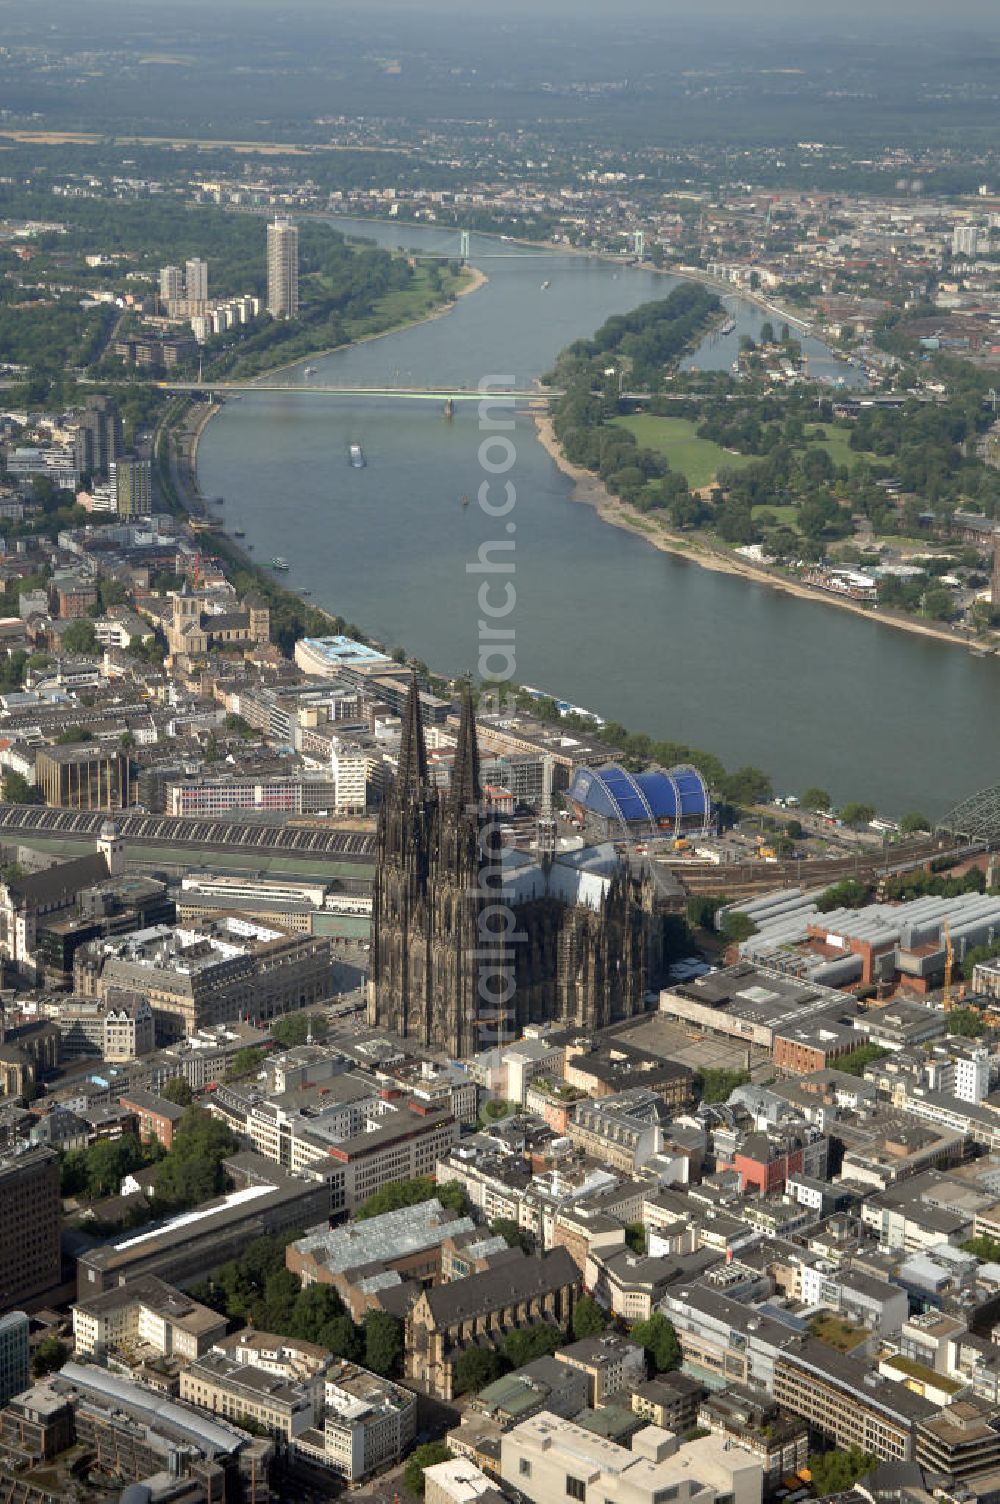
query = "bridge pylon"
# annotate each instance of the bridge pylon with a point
(463, 246)
(640, 244)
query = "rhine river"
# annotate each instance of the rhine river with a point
(812, 694)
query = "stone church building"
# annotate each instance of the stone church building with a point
(584, 929)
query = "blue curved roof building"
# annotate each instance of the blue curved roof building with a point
(675, 799)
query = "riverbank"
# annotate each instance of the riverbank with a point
(476, 280)
(591, 490)
(681, 273)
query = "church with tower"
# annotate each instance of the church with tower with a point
(472, 940)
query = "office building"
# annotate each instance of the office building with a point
(282, 269)
(89, 776)
(368, 1423)
(134, 487)
(221, 971)
(235, 1390)
(546, 1458)
(196, 280)
(186, 1247)
(14, 1376)
(30, 1211)
(146, 1311)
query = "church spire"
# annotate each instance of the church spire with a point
(466, 791)
(412, 775)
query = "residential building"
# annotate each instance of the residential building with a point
(611, 1363)
(669, 1401)
(848, 1402)
(458, 1481)
(157, 1116)
(282, 269)
(171, 284)
(355, 1146)
(196, 280)
(134, 487)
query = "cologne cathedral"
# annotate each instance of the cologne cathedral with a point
(473, 940)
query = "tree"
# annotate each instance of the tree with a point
(913, 822)
(939, 603)
(526, 1343)
(80, 637)
(177, 1090)
(400, 1193)
(513, 1235)
(984, 1247)
(836, 1472)
(968, 1023)
(383, 1343)
(660, 1342)
(588, 1318)
(428, 1455)
(295, 1028)
(849, 894)
(50, 1354)
(857, 1061)
(74, 735)
(17, 789)
(715, 1084)
(747, 786)
(857, 814)
(635, 1236)
(247, 1062)
(475, 1368)
(815, 799)
(737, 927)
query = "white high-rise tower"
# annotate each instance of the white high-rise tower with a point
(282, 269)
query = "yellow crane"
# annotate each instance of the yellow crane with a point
(949, 964)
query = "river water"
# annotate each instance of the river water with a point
(811, 693)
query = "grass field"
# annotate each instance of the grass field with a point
(786, 515)
(697, 459)
(838, 447)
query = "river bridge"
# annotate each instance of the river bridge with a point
(316, 389)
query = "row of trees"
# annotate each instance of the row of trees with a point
(192, 1172)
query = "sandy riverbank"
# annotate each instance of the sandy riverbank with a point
(589, 488)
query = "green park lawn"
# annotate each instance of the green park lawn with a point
(676, 439)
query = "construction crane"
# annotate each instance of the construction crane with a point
(949, 965)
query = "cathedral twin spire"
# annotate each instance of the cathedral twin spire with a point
(412, 775)
(466, 789)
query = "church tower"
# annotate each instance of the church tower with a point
(459, 896)
(399, 995)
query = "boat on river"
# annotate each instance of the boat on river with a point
(357, 456)
(279, 563)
